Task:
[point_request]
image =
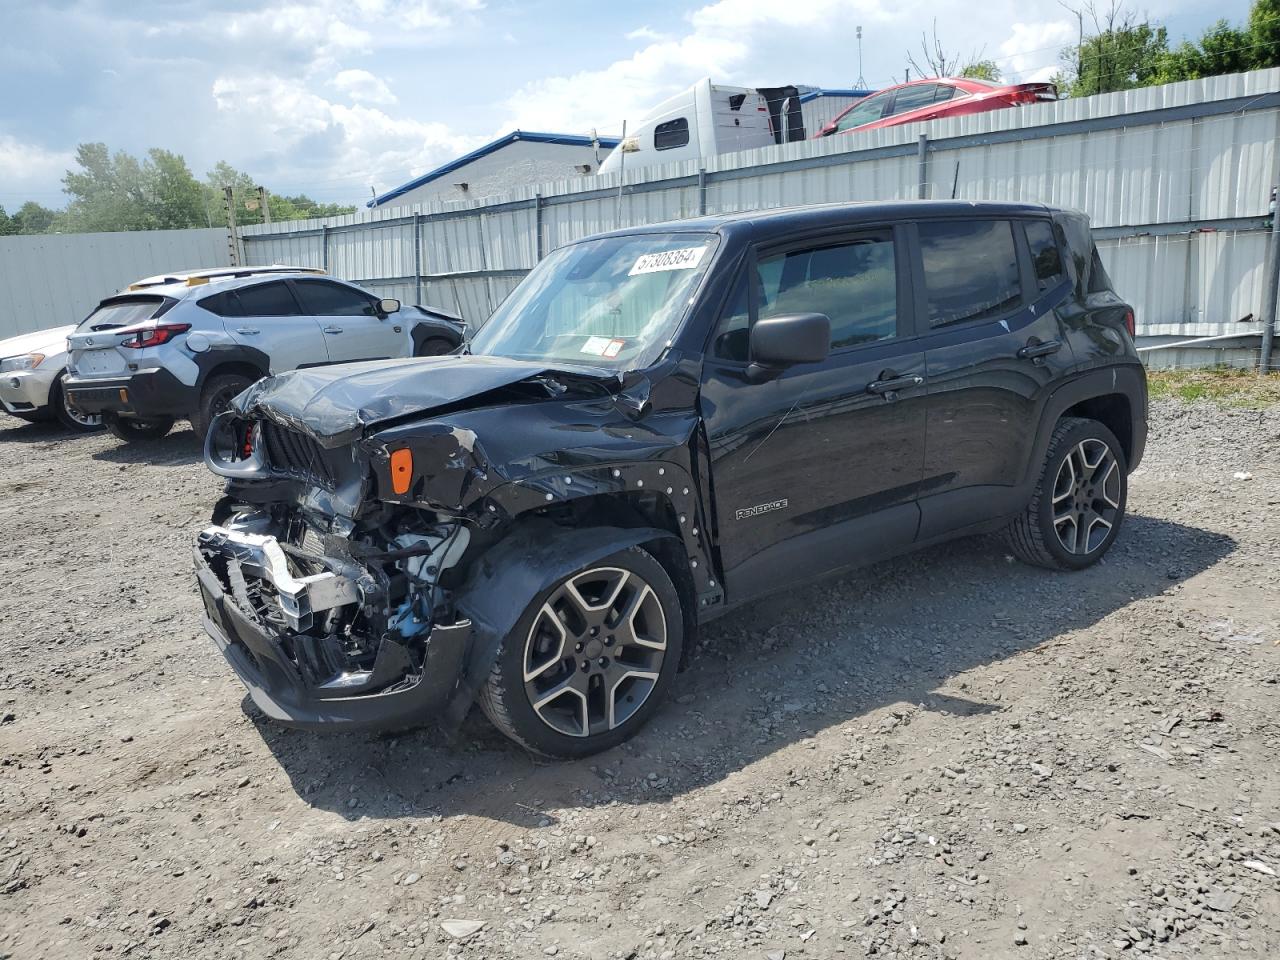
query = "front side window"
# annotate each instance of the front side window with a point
(613, 302)
(970, 270)
(1046, 257)
(267, 300)
(671, 134)
(854, 283)
(320, 298)
(866, 111)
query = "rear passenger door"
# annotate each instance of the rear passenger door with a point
(353, 328)
(267, 317)
(993, 343)
(819, 466)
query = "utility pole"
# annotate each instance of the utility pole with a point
(233, 234)
(262, 204)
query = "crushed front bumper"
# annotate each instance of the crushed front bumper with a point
(394, 694)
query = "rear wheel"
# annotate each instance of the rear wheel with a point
(590, 660)
(216, 398)
(71, 416)
(1078, 505)
(135, 429)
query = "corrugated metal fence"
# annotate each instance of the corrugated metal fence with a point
(1175, 178)
(54, 279)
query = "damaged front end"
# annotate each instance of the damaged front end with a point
(329, 620)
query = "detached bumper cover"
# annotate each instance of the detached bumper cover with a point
(284, 691)
(147, 393)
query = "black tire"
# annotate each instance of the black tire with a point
(216, 397)
(434, 347)
(505, 697)
(135, 429)
(1083, 507)
(68, 416)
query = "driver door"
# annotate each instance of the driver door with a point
(817, 467)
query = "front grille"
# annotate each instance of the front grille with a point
(297, 455)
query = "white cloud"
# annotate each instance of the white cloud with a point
(360, 141)
(362, 86)
(1031, 52)
(23, 164)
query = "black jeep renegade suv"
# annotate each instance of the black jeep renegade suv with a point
(657, 425)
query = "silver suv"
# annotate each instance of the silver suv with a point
(183, 345)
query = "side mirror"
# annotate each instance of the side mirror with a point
(791, 338)
(388, 305)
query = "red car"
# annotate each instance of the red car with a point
(931, 99)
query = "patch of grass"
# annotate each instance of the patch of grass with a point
(1225, 386)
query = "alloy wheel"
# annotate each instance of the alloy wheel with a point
(78, 416)
(595, 651)
(1086, 497)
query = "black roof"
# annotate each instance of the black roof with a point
(754, 224)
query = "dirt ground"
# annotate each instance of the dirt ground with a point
(948, 755)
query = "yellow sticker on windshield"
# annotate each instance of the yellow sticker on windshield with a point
(686, 258)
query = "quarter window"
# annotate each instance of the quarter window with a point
(319, 298)
(1046, 256)
(854, 283)
(671, 134)
(970, 270)
(267, 300)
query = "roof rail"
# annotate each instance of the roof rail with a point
(195, 277)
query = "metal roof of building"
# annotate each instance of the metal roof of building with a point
(565, 139)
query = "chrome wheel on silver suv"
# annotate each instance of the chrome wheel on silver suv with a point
(1075, 513)
(590, 659)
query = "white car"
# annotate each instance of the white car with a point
(32, 368)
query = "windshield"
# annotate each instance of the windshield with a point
(610, 303)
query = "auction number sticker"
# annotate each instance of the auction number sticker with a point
(686, 258)
(603, 347)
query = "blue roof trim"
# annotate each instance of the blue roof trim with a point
(567, 139)
(806, 97)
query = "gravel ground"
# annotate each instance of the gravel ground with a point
(948, 755)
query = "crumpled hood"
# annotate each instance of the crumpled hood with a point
(336, 403)
(48, 342)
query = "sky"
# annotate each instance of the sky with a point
(333, 97)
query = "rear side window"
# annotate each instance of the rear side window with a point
(223, 304)
(267, 300)
(671, 134)
(913, 98)
(1046, 255)
(320, 298)
(855, 283)
(970, 270)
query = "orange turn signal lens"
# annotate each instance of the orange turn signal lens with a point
(401, 471)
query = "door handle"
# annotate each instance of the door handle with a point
(893, 383)
(248, 331)
(1038, 350)
(332, 329)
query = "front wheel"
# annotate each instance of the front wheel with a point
(135, 429)
(434, 347)
(1078, 505)
(590, 660)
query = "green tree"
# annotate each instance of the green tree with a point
(7, 227)
(31, 217)
(173, 195)
(982, 70)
